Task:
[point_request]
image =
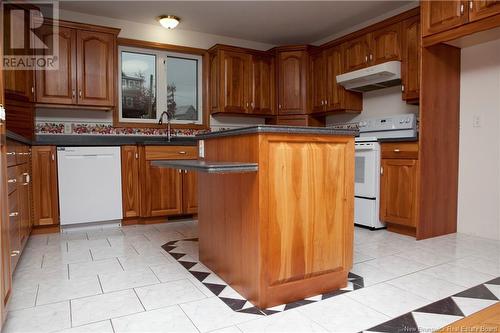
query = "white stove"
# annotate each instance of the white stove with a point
(367, 164)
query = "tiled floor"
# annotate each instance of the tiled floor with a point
(121, 280)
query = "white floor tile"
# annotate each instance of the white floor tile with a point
(170, 319)
(99, 327)
(459, 275)
(100, 253)
(94, 267)
(388, 299)
(22, 298)
(430, 322)
(56, 291)
(426, 286)
(70, 257)
(371, 274)
(341, 314)
(127, 280)
(106, 306)
(170, 272)
(136, 262)
(479, 264)
(46, 318)
(472, 305)
(169, 293)
(288, 321)
(430, 258)
(396, 265)
(230, 329)
(211, 313)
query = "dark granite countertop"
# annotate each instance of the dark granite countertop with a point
(278, 130)
(412, 139)
(16, 137)
(209, 167)
(111, 140)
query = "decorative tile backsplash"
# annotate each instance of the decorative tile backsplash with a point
(107, 129)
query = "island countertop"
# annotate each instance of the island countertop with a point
(273, 129)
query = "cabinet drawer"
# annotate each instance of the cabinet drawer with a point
(11, 155)
(171, 153)
(400, 150)
(12, 179)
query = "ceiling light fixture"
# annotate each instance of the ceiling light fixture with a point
(169, 21)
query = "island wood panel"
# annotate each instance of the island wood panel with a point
(45, 192)
(236, 223)
(439, 136)
(228, 216)
(130, 181)
(190, 192)
(300, 174)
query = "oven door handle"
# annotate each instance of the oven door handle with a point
(363, 148)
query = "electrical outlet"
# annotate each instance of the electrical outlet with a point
(476, 121)
(201, 148)
(67, 128)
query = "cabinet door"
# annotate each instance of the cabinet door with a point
(356, 53)
(19, 85)
(45, 195)
(318, 82)
(483, 8)
(162, 194)
(130, 181)
(24, 203)
(14, 229)
(398, 191)
(235, 81)
(292, 73)
(385, 44)
(190, 192)
(58, 86)
(410, 66)
(95, 59)
(262, 85)
(440, 16)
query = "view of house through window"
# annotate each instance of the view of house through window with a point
(153, 82)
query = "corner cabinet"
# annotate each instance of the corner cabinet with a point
(45, 191)
(241, 81)
(292, 76)
(399, 185)
(87, 67)
(150, 191)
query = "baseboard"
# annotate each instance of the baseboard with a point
(45, 229)
(156, 219)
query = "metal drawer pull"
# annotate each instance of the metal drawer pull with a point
(15, 253)
(14, 214)
(182, 153)
(397, 150)
(12, 181)
(11, 153)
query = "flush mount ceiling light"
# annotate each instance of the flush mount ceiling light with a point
(169, 21)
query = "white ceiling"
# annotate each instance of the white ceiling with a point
(272, 22)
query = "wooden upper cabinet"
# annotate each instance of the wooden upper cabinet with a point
(86, 67)
(45, 193)
(411, 53)
(356, 53)
(438, 16)
(19, 85)
(398, 191)
(235, 69)
(95, 66)
(482, 9)
(385, 44)
(318, 78)
(292, 81)
(190, 192)
(262, 85)
(58, 86)
(130, 181)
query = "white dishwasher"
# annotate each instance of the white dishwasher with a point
(90, 187)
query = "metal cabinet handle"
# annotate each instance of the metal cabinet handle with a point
(461, 9)
(366, 58)
(279, 106)
(136, 156)
(12, 181)
(471, 5)
(397, 150)
(371, 57)
(80, 93)
(182, 152)
(53, 157)
(185, 171)
(13, 214)
(27, 178)
(179, 170)
(15, 253)
(252, 104)
(73, 93)
(11, 153)
(403, 88)
(381, 170)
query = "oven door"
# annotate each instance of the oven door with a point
(367, 170)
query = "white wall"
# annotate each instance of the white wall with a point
(377, 103)
(479, 158)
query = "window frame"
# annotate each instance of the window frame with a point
(201, 55)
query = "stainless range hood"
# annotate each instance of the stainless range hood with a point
(380, 76)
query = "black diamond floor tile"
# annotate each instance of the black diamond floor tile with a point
(404, 323)
(215, 288)
(445, 306)
(200, 275)
(480, 291)
(186, 264)
(235, 304)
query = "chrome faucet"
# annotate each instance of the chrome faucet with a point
(169, 115)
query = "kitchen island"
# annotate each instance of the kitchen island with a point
(279, 228)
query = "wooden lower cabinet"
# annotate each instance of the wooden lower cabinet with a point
(45, 193)
(399, 183)
(150, 191)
